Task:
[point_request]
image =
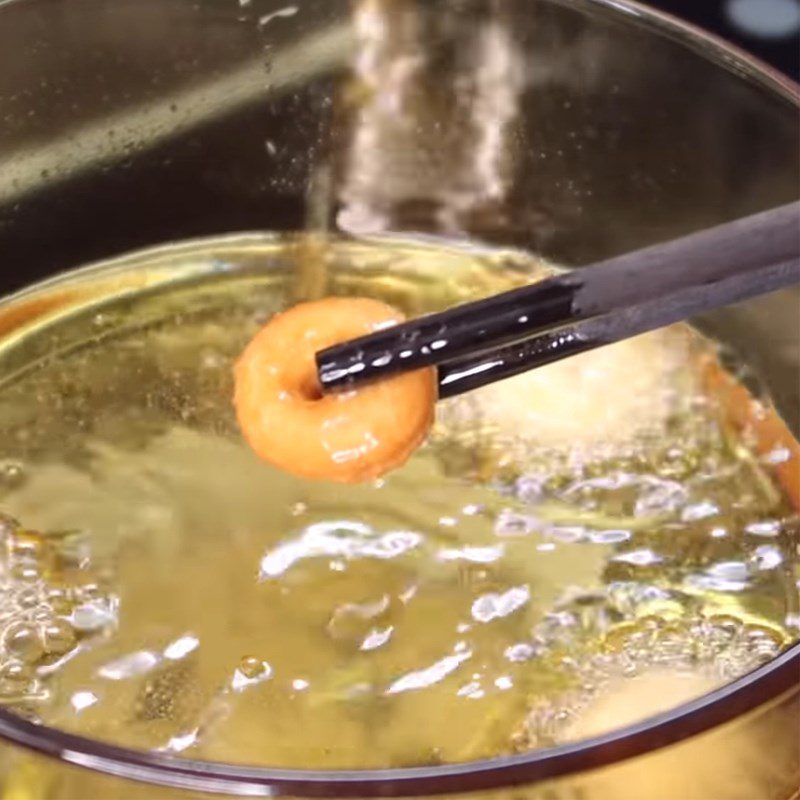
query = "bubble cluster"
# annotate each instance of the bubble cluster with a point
(710, 649)
(48, 605)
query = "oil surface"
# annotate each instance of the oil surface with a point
(566, 540)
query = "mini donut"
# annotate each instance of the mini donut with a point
(347, 437)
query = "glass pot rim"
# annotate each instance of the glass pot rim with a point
(757, 688)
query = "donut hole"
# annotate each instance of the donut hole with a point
(308, 387)
(299, 378)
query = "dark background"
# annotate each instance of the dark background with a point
(769, 29)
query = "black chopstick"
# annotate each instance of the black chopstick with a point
(463, 375)
(698, 260)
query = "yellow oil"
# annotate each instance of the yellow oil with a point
(574, 549)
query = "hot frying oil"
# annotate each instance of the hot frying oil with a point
(564, 539)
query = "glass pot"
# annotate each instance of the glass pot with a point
(573, 128)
